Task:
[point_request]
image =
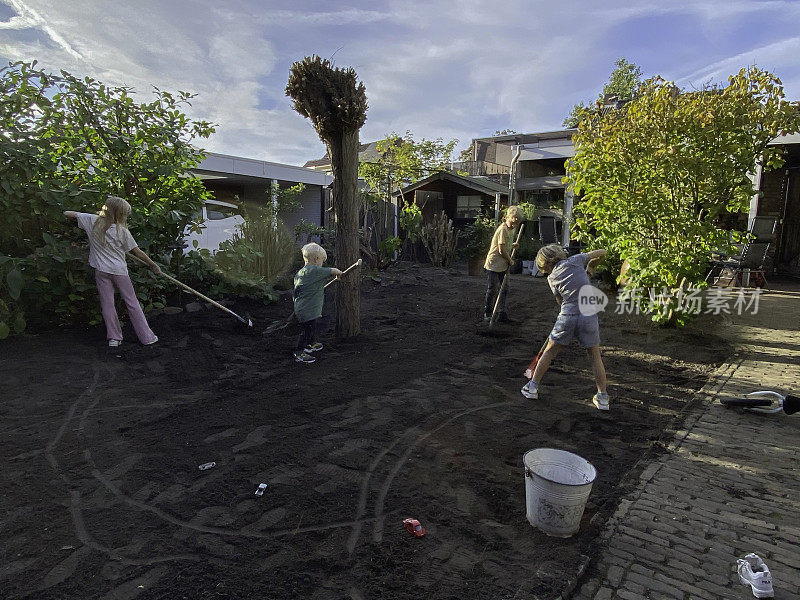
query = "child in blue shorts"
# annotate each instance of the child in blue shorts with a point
(566, 277)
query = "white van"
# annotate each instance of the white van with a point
(218, 222)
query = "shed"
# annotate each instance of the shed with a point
(461, 197)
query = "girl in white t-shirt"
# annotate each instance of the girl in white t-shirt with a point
(109, 240)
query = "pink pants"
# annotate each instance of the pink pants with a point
(105, 285)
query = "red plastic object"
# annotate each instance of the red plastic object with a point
(414, 527)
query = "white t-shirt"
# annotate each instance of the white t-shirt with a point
(108, 257)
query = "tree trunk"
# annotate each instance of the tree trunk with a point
(344, 161)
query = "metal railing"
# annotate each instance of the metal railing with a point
(480, 168)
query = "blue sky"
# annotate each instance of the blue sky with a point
(450, 69)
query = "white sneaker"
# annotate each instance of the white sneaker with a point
(753, 572)
(114, 343)
(155, 339)
(531, 390)
(600, 400)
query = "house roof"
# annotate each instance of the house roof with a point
(366, 153)
(786, 139)
(240, 169)
(528, 138)
(536, 152)
(479, 184)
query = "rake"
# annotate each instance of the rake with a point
(248, 321)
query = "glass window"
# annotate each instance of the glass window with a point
(423, 197)
(468, 207)
(216, 212)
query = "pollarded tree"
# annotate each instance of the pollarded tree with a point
(657, 175)
(336, 103)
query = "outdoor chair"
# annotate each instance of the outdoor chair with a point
(547, 230)
(548, 234)
(751, 261)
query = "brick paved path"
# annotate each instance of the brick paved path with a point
(728, 485)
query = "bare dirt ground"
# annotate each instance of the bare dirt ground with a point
(420, 417)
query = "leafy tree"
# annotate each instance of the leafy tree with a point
(411, 224)
(67, 143)
(657, 176)
(402, 161)
(623, 83)
(336, 103)
(465, 155)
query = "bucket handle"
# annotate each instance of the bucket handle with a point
(529, 473)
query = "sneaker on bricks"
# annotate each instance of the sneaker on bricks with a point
(315, 347)
(753, 572)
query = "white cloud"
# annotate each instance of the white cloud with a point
(777, 53)
(27, 17)
(347, 16)
(440, 69)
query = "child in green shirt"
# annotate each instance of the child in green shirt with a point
(309, 295)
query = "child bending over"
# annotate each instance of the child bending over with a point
(309, 295)
(566, 277)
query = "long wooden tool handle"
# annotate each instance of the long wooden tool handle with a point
(353, 266)
(204, 297)
(532, 367)
(503, 285)
(196, 293)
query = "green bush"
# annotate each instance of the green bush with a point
(476, 237)
(387, 249)
(67, 143)
(656, 200)
(528, 245)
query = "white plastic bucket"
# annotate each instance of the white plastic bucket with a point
(557, 485)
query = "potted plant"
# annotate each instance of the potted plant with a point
(528, 248)
(476, 238)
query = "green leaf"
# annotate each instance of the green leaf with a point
(18, 324)
(4, 330)
(14, 281)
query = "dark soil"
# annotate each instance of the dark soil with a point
(420, 417)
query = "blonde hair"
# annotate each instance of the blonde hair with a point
(549, 256)
(114, 212)
(514, 211)
(313, 250)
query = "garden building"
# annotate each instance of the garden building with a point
(251, 180)
(461, 197)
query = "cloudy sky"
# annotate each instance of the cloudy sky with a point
(451, 69)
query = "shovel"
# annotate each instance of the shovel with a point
(532, 367)
(504, 285)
